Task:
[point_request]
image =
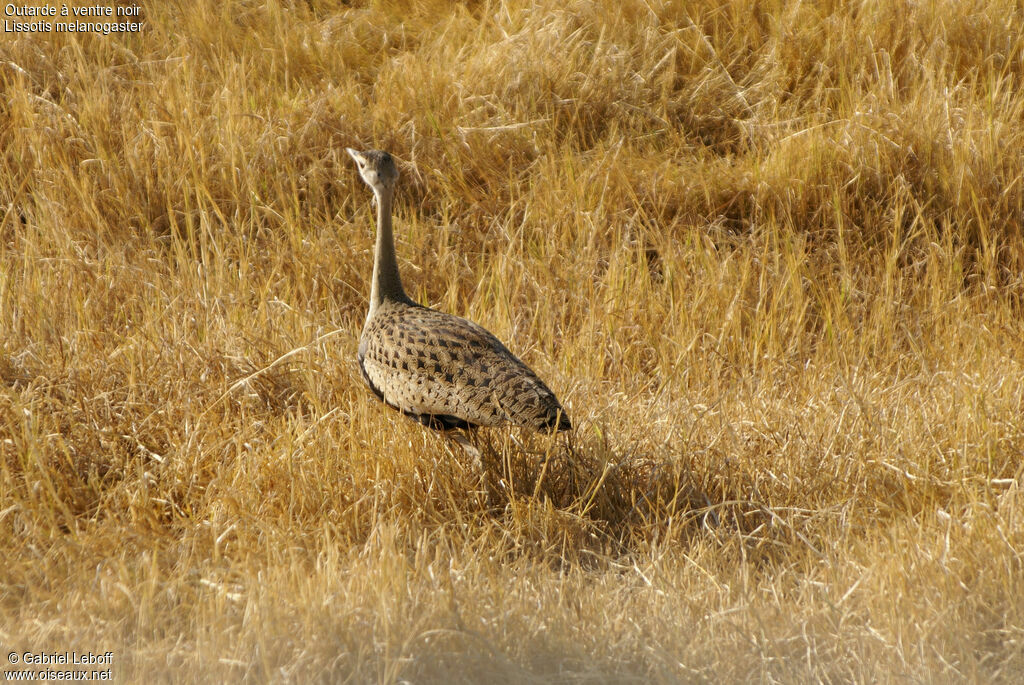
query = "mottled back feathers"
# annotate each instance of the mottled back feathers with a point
(448, 372)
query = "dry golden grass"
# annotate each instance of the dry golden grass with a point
(770, 256)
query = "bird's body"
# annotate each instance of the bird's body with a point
(447, 372)
(442, 370)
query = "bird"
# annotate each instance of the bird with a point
(442, 370)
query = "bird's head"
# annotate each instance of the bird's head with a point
(377, 168)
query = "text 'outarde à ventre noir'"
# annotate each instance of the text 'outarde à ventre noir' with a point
(64, 19)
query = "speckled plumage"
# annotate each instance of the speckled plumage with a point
(447, 372)
(442, 370)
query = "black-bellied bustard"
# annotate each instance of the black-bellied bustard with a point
(442, 370)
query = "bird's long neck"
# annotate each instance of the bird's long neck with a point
(386, 284)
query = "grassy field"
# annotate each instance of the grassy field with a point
(769, 255)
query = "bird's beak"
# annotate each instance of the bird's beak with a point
(355, 154)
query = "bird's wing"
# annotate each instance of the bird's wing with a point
(447, 371)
